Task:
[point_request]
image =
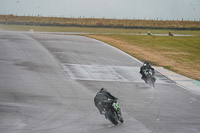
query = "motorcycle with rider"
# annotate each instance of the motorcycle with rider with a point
(148, 74)
(108, 105)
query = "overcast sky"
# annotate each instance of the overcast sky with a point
(138, 9)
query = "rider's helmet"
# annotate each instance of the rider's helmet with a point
(103, 89)
(146, 63)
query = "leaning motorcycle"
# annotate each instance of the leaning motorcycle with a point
(113, 112)
(150, 78)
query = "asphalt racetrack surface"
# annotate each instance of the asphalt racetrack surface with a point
(48, 83)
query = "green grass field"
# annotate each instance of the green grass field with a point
(94, 30)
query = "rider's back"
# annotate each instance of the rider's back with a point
(103, 95)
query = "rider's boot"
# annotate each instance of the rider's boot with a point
(120, 117)
(121, 120)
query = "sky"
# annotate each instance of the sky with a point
(119, 9)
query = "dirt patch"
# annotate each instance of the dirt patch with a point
(155, 57)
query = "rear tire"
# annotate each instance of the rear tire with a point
(112, 117)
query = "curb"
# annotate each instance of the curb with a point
(183, 81)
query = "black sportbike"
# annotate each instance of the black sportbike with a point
(149, 77)
(113, 112)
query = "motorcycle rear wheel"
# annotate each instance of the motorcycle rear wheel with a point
(112, 117)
